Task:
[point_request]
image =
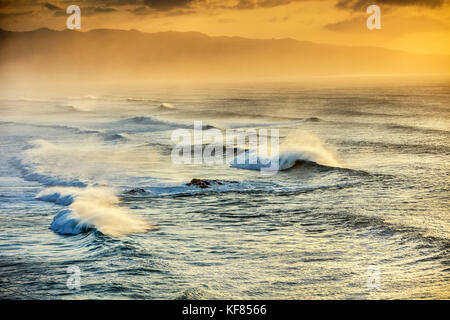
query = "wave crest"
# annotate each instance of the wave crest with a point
(296, 148)
(92, 208)
(167, 106)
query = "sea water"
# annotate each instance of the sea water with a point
(359, 211)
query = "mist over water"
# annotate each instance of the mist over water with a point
(363, 182)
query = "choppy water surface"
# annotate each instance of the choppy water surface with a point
(374, 193)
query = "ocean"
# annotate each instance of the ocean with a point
(361, 209)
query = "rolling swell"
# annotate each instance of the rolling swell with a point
(395, 127)
(106, 136)
(409, 128)
(29, 173)
(404, 148)
(62, 127)
(162, 124)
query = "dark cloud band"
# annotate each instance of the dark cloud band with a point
(164, 5)
(361, 4)
(50, 6)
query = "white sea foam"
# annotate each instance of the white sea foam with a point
(92, 208)
(59, 195)
(167, 106)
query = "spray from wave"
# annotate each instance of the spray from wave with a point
(299, 146)
(91, 208)
(75, 163)
(305, 146)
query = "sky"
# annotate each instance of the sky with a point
(416, 26)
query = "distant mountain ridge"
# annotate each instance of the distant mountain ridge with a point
(119, 54)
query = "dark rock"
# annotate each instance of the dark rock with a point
(136, 191)
(203, 183)
(199, 183)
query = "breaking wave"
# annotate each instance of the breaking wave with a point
(299, 147)
(59, 195)
(91, 208)
(28, 172)
(114, 136)
(167, 106)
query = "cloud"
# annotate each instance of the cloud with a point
(391, 25)
(14, 14)
(89, 11)
(144, 7)
(95, 10)
(4, 3)
(164, 5)
(362, 4)
(140, 11)
(50, 6)
(180, 7)
(118, 3)
(252, 4)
